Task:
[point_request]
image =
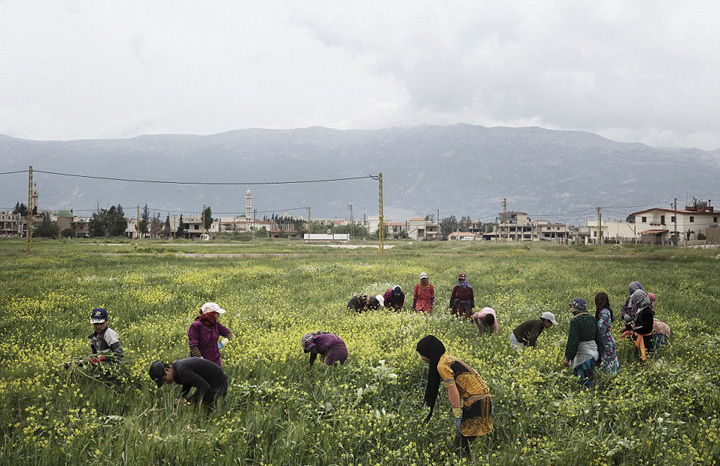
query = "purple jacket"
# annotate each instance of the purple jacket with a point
(206, 339)
(323, 342)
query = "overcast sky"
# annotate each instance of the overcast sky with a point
(643, 71)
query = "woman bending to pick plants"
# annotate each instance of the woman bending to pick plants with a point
(584, 343)
(203, 334)
(468, 393)
(330, 347)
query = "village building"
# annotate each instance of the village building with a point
(657, 225)
(463, 236)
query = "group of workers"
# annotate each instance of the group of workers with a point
(589, 344)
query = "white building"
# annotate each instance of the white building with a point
(656, 226)
(612, 231)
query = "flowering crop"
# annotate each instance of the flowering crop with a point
(369, 411)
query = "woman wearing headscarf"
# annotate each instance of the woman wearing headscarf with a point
(424, 295)
(642, 325)
(468, 393)
(604, 316)
(462, 299)
(204, 333)
(329, 346)
(584, 343)
(394, 298)
(661, 330)
(628, 311)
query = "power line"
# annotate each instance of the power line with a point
(200, 183)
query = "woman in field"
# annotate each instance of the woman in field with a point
(204, 333)
(468, 393)
(424, 295)
(628, 310)
(642, 325)
(363, 302)
(329, 346)
(394, 298)
(661, 330)
(584, 343)
(605, 317)
(462, 299)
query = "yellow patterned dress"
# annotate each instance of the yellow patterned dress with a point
(474, 392)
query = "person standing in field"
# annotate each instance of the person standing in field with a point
(329, 346)
(104, 341)
(642, 325)
(605, 317)
(527, 333)
(204, 333)
(462, 299)
(468, 393)
(363, 302)
(206, 377)
(584, 343)
(394, 298)
(485, 320)
(424, 295)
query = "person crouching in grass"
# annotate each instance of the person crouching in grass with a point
(329, 346)
(206, 377)
(468, 393)
(584, 343)
(104, 341)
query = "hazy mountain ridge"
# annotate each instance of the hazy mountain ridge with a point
(460, 169)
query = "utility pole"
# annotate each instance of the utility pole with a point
(202, 219)
(675, 233)
(381, 220)
(352, 222)
(599, 226)
(30, 209)
(504, 202)
(137, 227)
(309, 228)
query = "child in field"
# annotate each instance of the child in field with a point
(424, 295)
(527, 333)
(468, 393)
(204, 332)
(485, 320)
(329, 346)
(104, 341)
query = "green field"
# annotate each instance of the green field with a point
(666, 411)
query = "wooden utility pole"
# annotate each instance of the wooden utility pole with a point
(675, 233)
(599, 226)
(309, 228)
(381, 220)
(30, 208)
(507, 227)
(352, 222)
(137, 227)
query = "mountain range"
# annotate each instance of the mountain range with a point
(456, 170)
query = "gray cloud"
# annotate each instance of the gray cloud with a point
(635, 71)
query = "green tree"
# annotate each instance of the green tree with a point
(465, 222)
(180, 233)
(47, 228)
(108, 222)
(145, 220)
(166, 228)
(448, 225)
(68, 233)
(156, 226)
(207, 218)
(20, 208)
